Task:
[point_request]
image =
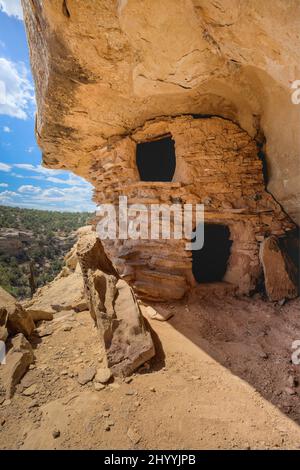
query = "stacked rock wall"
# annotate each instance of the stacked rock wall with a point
(217, 164)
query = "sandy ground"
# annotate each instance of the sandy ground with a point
(222, 379)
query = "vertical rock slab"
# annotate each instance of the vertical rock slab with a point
(279, 271)
(125, 338)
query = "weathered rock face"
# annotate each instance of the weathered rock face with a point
(281, 276)
(103, 69)
(64, 293)
(126, 340)
(13, 318)
(18, 359)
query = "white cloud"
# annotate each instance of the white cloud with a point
(72, 194)
(83, 206)
(29, 189)
(30, 149)
(12, 8)
(61, 199)
(6, 129)
(16, 90)
(53, 193)
(9, 193)
(51, 176)
(72, 199)
(5, 200)
(71, 181)
(7, 196)
(36, 169)
(4, 167)
(3, 185)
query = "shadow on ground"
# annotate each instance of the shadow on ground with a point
(251, 337)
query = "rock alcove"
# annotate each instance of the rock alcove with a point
(217, 164)
(110, 97)
(101, 72)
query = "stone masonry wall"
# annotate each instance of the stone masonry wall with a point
(217, 164)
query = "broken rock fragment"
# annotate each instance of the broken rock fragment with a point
(13, 316)
(18, 360)
(279, 271)
(152, 314)
(133, 435)
(64, 293)
(103, 375)
(125, 338)
(86, 375)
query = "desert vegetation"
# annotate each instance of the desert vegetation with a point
(35, 238)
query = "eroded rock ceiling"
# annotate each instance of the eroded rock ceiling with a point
(103, 68)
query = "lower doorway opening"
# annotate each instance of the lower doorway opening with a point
(210, 263)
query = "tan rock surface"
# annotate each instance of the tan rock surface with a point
(71, 260)
(281, 276)
(64, 293)
(216, 372)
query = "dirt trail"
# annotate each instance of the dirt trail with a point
(184, 399)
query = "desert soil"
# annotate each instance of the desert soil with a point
(222, 379)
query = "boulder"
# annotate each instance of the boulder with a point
(64, 293)
(152, 314)
(279, 271)
(86, 375)
(124, 335)
(103, 375)
(18, 360)
(13, 317)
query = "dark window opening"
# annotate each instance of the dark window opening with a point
(156, 160)
(210, 263)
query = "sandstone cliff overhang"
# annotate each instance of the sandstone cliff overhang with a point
(104, 68)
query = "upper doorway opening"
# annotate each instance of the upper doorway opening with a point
(210, 263)
(156, 160)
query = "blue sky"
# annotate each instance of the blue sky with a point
(23, 181)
